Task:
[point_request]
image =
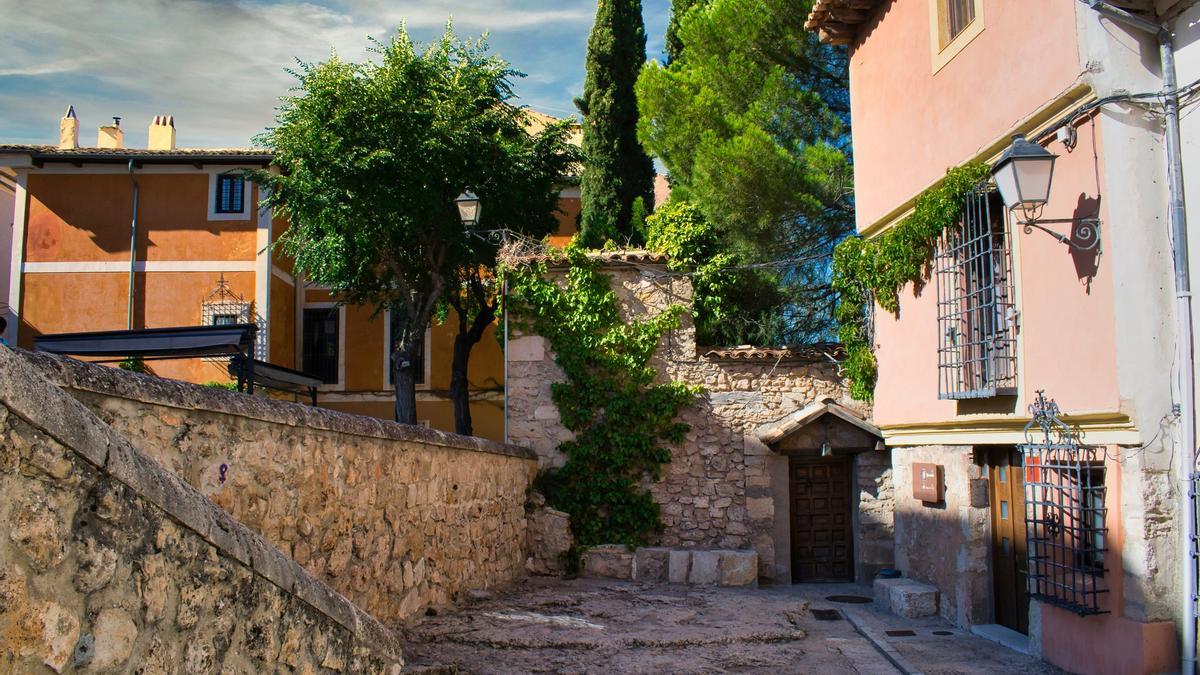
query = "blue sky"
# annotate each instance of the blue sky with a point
(217, 65)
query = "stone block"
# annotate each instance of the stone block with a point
(905, 597)
(739, 568)
(608, 562)
(706, 568)
(651, 564)
(529, 348)
(679, 565)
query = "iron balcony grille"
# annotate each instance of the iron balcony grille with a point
(975, 305)
(223, 307)
(1064, 514)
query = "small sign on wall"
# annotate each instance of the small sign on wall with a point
(927, 482)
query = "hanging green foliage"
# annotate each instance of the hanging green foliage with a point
(879, 268)
(622, 421)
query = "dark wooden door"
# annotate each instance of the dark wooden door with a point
(822, 543)
(1006, 483)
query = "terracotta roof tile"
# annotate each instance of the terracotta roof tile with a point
(837, 21)
(813, 352)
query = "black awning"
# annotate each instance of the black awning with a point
(279, 378)
(176, 342)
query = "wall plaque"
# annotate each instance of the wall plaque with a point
(927, 482)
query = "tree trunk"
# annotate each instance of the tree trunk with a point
(466, 339)
(404, 374)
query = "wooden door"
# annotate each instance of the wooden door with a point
(822, 544)
(1006, 483)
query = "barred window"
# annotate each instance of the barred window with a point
(1065, 514)
(223, 307)
(976, 311)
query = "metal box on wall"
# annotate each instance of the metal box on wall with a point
(927, 482)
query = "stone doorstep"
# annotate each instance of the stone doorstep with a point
(1003, 636)
(905, 597)
(698, 567)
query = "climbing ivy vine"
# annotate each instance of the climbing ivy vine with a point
(623, 422)
(866, 269)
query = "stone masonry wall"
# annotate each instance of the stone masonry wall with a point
(948, 544)
(716, 492)
(395, 517)
(109, 562)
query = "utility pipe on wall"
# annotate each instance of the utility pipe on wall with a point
(132, 246)
(1185, 339)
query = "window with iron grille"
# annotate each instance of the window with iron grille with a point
(223, 307)
(1064, 514)
(230, 195)
(976, 312)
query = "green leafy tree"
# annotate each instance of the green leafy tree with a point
(730, 304)
(617, 170)
(752, 125)
(371, 158)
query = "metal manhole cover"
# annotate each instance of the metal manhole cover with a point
(850, 599)
(826, 614)
(900, 633)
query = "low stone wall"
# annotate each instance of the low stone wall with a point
(109, 562)
(395, 517)
(722, 486)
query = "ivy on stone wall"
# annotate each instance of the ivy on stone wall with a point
(622, 421)
(866, 269)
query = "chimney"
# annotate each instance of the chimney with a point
(68, 130)
(162, 133)
(111, 135)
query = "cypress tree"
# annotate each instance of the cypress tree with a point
(617, 170)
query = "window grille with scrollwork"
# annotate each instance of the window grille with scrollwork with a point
(977, 356)
(223, 307)
(1065, 513)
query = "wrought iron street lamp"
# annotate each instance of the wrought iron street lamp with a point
(1023, 175)
(469, 208)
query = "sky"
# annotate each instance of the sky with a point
(219, 66)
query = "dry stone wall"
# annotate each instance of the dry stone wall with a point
(395, 517)
(109, 563)
(717, 490)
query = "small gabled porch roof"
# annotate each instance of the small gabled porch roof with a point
(772, 433)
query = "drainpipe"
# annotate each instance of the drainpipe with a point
(132, 246)
(1185, 343)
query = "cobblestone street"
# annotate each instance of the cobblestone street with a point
(601, 626)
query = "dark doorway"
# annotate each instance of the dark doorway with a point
(822, 530)
(1006, 484)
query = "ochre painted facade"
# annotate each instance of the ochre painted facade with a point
(75, 210)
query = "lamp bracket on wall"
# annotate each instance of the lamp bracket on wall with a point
(1085, 238)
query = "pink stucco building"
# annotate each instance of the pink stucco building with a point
(1072, 552)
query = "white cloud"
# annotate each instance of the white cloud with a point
(218, 65)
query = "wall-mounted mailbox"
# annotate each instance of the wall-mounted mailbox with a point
(927, 482)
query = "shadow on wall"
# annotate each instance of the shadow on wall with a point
(1087, 262)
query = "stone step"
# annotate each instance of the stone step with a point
(699, 567)
(905, 597)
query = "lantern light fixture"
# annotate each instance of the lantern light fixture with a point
(1023, 175)
(469, 208)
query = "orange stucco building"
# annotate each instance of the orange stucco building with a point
(1078, 564)
(202, 254)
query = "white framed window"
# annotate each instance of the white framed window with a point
(228, 195)
(424, 374)
(953, 24)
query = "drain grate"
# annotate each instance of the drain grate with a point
(942, 632)
(900, 633)
(826, 614)
(850, 599)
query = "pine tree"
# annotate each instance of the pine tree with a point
(617, 170)
(673, 43)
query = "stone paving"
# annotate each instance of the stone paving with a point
(603, 626)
